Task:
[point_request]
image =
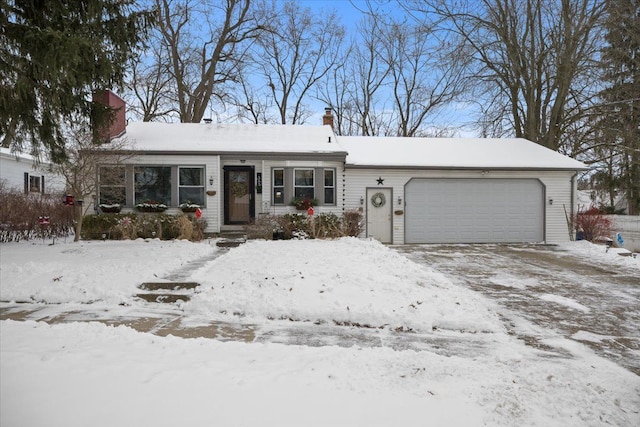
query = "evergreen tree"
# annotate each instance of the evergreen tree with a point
(53, 55)
(620, 110)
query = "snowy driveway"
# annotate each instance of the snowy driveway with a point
(545, 289)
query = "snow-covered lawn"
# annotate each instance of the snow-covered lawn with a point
(87, 373)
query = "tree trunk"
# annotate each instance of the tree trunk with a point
(77, 213)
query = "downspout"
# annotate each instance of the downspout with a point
(573, 201)
(219, 194)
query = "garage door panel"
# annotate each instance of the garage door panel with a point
(474, 211)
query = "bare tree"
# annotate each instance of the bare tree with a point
(205, 43)
(251, 103)
(528, 58)
(423, 78)
(150, 87)
(298, 51)
(82, 165)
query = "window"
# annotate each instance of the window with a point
(329, 187)
(303, 186)
(191, 186)
(112, 185)
(34, 184)
(152, 183)
(278, 187)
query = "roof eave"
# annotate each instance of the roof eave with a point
(463, 168)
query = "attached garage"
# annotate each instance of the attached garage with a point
(474, 210)
(460, 190)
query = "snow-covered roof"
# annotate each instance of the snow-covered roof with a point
(231, 138)
(463, 153)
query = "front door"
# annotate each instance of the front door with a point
(239, 207)
(379, 205)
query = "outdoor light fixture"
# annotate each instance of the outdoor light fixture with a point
(361, 200)
(399, 200)
(211, 180)
(550, 201)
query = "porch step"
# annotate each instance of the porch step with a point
(231, 238)
(231, 243)
(167, 292)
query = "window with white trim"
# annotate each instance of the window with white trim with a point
(112, 185)
(152, 184)
(278, 186)
(303, 183)
(329, 186)
(191, 185)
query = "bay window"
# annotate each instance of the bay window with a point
(152, 183)
(303, 183)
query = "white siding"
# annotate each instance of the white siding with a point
(211, 212)
(557, 187)
(268, 207)
(13, 168)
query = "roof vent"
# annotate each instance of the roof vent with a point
(329, 140)
(208, 121)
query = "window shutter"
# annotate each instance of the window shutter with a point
(42, 184)
(26, 183)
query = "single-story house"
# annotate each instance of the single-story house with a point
(23, 172)
(410, 190)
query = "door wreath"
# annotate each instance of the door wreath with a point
(238, 189)
(378, 200)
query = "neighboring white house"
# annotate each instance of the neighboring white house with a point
(22, 172)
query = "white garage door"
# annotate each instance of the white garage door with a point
(474, 211)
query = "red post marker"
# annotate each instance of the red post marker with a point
(310, 211)
(198, 213)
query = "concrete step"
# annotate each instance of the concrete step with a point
(171, 286)
(230, 242)
(167, 292)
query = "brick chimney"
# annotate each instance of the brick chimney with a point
(327, 119)
(115, 109)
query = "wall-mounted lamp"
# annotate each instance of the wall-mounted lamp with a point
(399, 200)
(550, 201)
(211, 180)
(361, 200)
(243, 161)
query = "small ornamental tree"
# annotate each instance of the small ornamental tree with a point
(81, 168)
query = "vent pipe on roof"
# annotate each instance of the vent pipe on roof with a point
(329, 140)
(208, 121)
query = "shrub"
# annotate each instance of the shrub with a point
(263, 227)
(326, 226)
(301, 226)
(592, 225)
(20, 214)
(294, 225)
(113, 226)
(133, 226)
(352, 223)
